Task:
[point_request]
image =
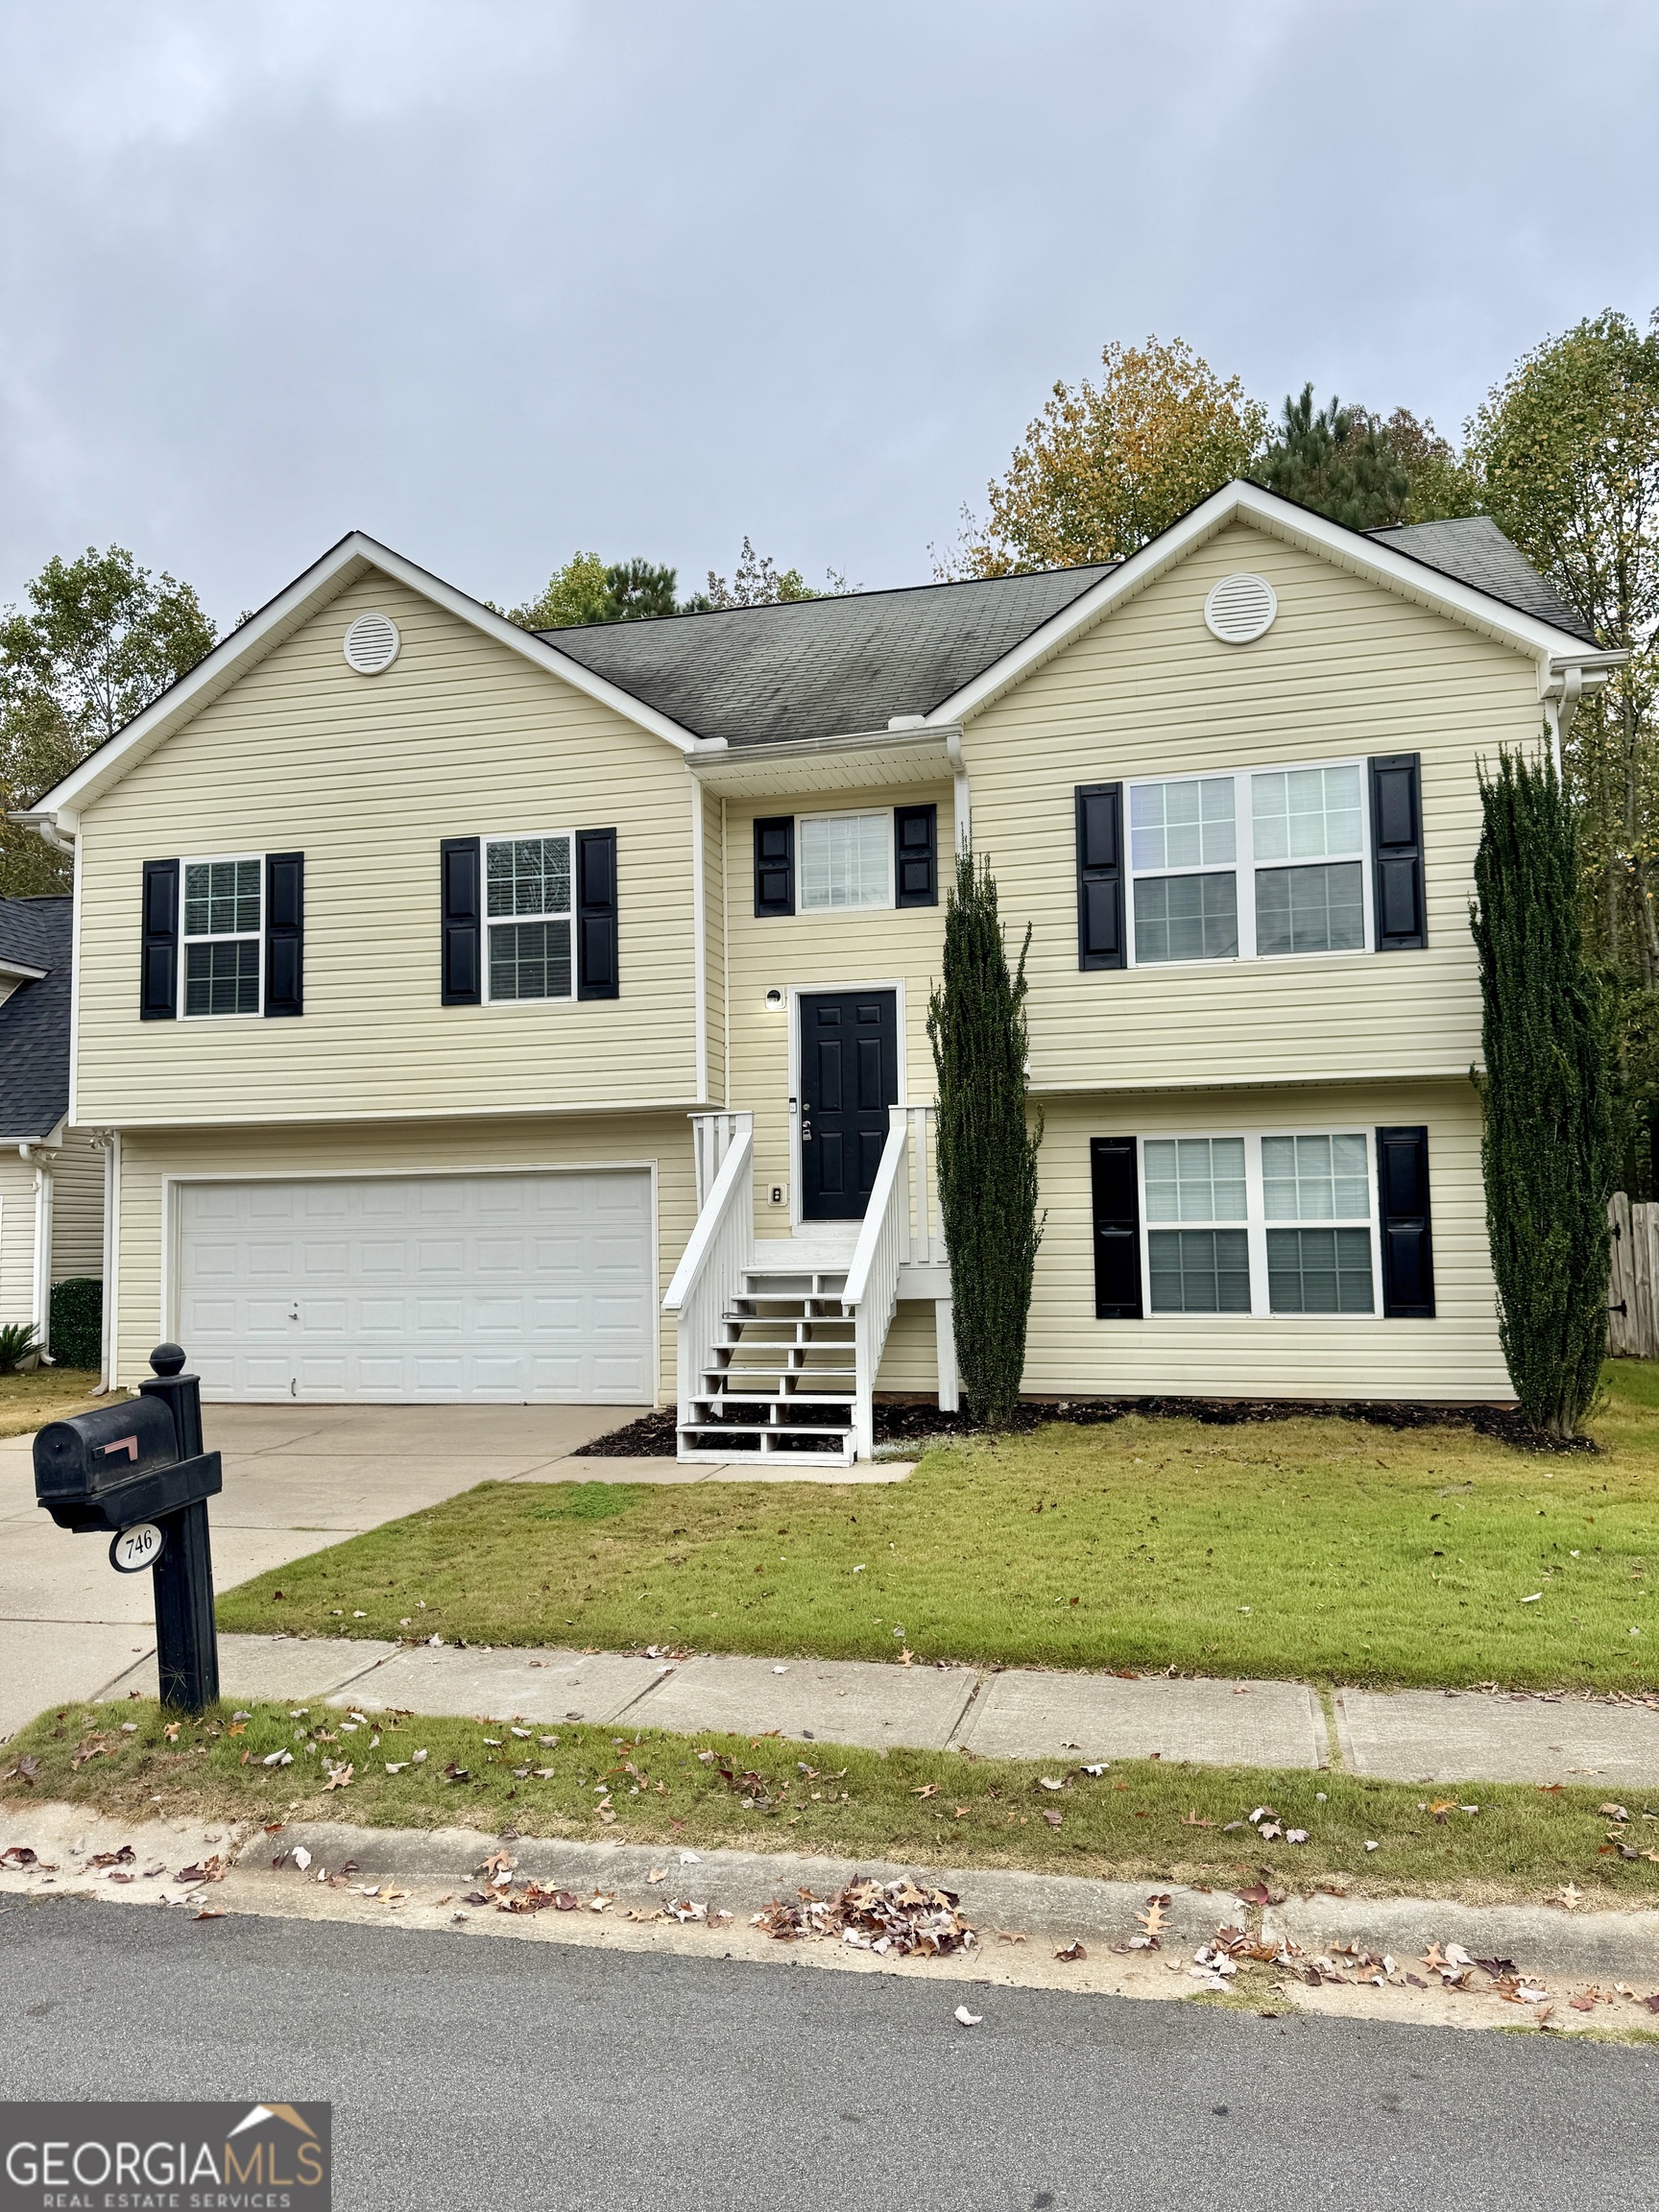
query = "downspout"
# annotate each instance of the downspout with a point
(49, 831)
(959, 789)
(40, 1158)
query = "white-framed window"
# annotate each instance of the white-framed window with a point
(224, 922)
(1260, 1223)
(529, 951)
(1258, 865)
(843, 862)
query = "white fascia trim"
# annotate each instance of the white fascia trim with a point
(322, 582)
(15, 971)
(1349, 548)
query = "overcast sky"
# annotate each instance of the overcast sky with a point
(498, 279)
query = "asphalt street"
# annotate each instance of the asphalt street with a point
(469, 2071)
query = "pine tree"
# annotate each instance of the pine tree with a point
(1550, 1150)
(986, 1148)
(1338, 462)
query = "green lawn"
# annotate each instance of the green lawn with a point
(27, 1401)
(1135, 1818)
(1322, 1549)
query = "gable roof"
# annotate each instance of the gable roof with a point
(34, 1018)
(821, 667)
(1475, 552)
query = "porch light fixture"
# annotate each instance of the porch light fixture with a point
(774, 1002)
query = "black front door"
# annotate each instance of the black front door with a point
(848, 1078)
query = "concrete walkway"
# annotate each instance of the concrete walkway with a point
(297, 1479)
(1429, 1736)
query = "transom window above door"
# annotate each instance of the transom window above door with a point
(528, 916)
(1258, 865)
(223, 919)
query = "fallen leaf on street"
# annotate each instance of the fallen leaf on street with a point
(967, 2018)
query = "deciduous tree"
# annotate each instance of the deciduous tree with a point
(99, 638)
(1106, 466)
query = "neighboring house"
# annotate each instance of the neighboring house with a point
(51, 1178)
(485, 1016)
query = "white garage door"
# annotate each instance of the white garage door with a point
(443, 1288)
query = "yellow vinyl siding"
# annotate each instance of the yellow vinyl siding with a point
(1454, 1357)
(819, 952)
(150, 1158)
(459, 737)
(16, 1239)
(77, 1209)
(1347, 669)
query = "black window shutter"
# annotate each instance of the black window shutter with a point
(159, 961)
(284, 932)
(1397, 847)
(916, 855)
(1402, 1205)
(1117, 1229)
(596, 973)
(775, 865)
(1100, 878)
(461, 868)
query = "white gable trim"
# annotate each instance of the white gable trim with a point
(355, 556)
(1238, 502)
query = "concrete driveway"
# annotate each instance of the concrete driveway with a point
(297, 1479)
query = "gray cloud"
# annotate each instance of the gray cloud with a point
(494, 280)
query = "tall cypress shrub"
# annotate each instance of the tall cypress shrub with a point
(1550, 1150)
(986, 1148)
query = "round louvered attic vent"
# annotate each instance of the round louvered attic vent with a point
(1240, 609)
(371, 643)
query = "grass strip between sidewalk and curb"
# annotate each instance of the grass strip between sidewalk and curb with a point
(1318, 1548)
(1133, 1819)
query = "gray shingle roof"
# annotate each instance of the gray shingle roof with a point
(34, 1020)
(821, 667)
(1475, 552)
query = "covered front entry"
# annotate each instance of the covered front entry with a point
(848, 1079)
(505, 1288)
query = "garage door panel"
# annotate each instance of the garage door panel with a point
(506, 1288)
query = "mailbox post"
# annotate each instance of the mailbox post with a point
(138, 1472)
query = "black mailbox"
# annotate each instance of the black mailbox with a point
(140, 1466)
(117, 1465)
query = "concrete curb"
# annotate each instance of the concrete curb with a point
(1588, 1946)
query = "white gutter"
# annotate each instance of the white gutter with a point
(40, 1158)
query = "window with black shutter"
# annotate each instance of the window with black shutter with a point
(1100, 939)
(1117, 1201)
(596, 968)
(1403, 1207)
(915, 855)
(158, 959)
(1397, 852)
(775, 865)
(284, 933)
(461, 966)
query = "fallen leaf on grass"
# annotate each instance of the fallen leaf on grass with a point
(25, 1770)
(1054, 1819)
(340, 1779)
(1570, 1894)
(1192, 1818)
(927, 1789)
(1613, 1812)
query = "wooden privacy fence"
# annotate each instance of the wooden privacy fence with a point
(1633, 1318)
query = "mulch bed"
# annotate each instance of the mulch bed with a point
(653, 1437)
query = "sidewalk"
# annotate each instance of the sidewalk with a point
(1430, 1735)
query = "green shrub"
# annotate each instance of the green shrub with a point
(78, 1322)
(17, 1342)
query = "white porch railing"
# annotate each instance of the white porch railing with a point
(710, 1276)
(924, 1232)
(871, 1291)
(711, 1136)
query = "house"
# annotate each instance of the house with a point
(50, 1177)
(487, 1015)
